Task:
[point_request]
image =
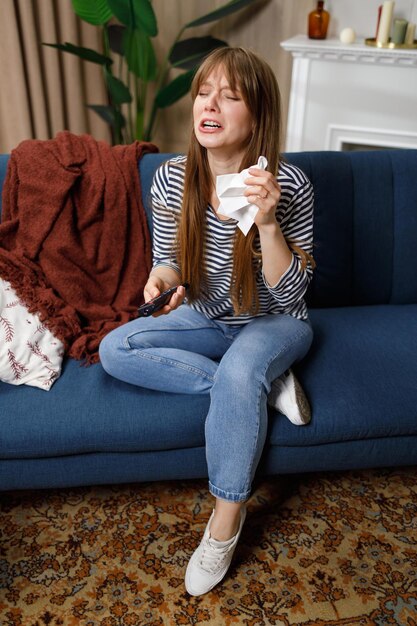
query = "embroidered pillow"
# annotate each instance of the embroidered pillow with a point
(29, 352)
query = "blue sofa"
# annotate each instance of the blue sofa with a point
(360, 375)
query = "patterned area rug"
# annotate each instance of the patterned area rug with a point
(317, 550)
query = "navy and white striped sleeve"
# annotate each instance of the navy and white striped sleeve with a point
(296, 226)
(164, 221)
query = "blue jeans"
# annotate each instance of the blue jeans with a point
(185, 352)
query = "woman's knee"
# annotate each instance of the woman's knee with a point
(306, 339)
(237, 373)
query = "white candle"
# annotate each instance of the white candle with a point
(410, 33)
(385, 22)
(398, 31)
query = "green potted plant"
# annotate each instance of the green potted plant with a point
(128, 27)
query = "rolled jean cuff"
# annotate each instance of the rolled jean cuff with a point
(228, 495)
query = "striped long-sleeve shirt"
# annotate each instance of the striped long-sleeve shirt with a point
(294, 214)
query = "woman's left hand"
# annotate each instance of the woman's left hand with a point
(263, 191)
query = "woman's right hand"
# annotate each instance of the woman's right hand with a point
(155, 286)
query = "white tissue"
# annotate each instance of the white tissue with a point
(230, 189)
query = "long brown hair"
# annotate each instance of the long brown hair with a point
(254, 78)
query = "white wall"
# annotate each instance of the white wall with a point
(361, 15)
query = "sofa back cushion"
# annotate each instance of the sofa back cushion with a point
(365, 224)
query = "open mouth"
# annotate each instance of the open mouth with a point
(210, 125)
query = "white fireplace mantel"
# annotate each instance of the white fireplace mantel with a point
(347, 94)
(333, 50)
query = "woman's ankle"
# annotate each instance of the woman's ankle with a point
(226, 521)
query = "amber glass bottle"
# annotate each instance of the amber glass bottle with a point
(318, 22)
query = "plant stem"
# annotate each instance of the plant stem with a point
(130, 105)
(139, 110)
(147, 135)
(116, 128)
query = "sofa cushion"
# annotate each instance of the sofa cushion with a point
(89, 411)
(365, 222)
(360, 376)
(356, 380)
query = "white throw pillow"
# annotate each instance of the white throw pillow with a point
(29, 352)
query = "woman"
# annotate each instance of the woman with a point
(245, 321)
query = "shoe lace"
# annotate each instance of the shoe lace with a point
(212, 557)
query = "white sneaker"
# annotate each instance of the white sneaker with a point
(288, 397)
(210, 561)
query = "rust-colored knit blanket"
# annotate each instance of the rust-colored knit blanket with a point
(74, 241)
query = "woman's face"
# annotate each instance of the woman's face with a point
(222, 121)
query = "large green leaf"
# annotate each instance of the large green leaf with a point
(109, 115)
(92, 11)
(119, 92)
(84, 53)
(226, 9)
(188, 53)
(140, 55)
(136, 14)
(121, 9)
(175, 90)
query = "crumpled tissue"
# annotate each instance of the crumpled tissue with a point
(230, 189)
